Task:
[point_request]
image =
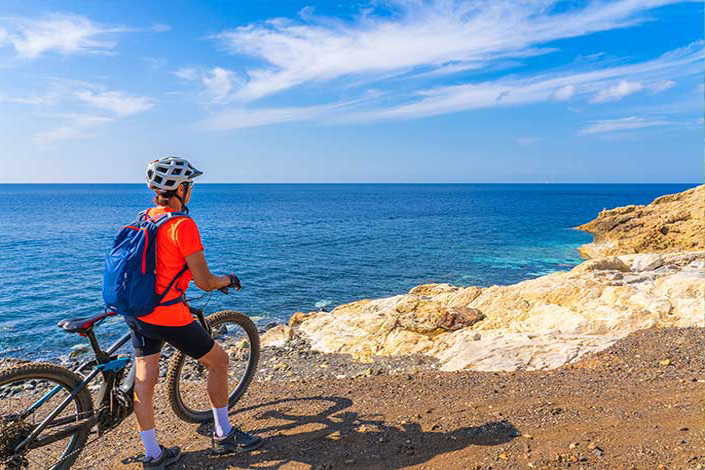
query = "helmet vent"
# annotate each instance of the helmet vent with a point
(176, 171)
(170, 182)
(162, 169)
(188, 172)
(158, 179)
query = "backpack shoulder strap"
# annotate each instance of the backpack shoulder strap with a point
(164, 218)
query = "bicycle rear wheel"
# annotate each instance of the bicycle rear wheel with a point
(29, 392)
(187, 378)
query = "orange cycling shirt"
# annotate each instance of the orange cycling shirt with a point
(176, 239)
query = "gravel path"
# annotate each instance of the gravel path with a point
(636, 405)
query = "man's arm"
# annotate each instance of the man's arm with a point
(202, 276)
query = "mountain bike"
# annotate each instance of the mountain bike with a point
(47, 412)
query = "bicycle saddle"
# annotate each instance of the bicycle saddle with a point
(83, 324)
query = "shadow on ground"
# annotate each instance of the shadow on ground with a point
(326, 436)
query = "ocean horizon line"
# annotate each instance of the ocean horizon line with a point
(132, 183)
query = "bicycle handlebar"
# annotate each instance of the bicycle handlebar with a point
(234, 283)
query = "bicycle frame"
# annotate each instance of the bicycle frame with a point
(106, 364)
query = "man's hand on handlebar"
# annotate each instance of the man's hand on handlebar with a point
(234, 283)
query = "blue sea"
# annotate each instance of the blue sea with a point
(295, 247)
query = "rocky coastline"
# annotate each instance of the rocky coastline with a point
(645, 269)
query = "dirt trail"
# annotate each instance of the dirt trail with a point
(622, 408)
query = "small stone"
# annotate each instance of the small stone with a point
(684, 429)
(598, 452)
(573, 445)
(573, 459)
(503, 456)
(334, 436)
(349, 461)
(664, 362)
(592, 445)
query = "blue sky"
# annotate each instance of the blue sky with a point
(383, 91)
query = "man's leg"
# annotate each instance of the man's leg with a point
(147, 372)
(216, 360)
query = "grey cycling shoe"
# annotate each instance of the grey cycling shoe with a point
(235, 442)
(169, 456)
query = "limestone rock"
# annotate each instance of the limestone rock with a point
(431, 290)
(535, 324)
(611, 263)
(276, 337)
(674, 222)
(297, 318)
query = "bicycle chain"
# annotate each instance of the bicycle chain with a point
(100, 436)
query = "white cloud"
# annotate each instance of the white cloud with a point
(186, 73)
(426, 35)
(564, 93)
(617, 92)
(218, 83)
(161, 28)
(116, 102)
(682, 62)
(513, 91)
(76, 126)
(662, 85)
(623, 124)
(62, 33)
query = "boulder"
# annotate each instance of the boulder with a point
(455, 318)
(276, 337)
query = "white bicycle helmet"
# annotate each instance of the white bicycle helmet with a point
(168, 173)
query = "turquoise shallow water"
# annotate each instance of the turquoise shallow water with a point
(295, 247)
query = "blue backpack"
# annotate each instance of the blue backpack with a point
(130, 268)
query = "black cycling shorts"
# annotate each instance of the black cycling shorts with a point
(148, 339)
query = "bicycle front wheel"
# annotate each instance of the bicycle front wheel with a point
(187, 378)
(29, 393)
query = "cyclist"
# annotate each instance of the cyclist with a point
(179, 246)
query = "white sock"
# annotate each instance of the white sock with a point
(222, 422)
(151, 447)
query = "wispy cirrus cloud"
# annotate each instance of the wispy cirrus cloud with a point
(62, 33)
(624, 124)
(617, 92)
(119, 103)
(414, 37)
(76, 126)
(89, 106)
(598, 85)
(421, 44)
